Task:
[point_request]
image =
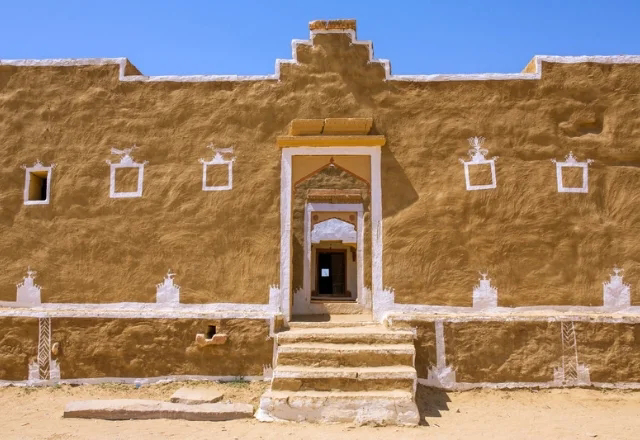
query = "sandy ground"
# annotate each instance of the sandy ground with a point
(36, 413)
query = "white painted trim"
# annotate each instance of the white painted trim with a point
(125, 194)
(139, 310)
(37, 167)
(362, 298)
(463, 386)
(286, 213)
(122, 62)
(218, 160)
(470, 187)
(126, 161)
(129, 380)
(519, 314)
(336, 207)
(571, 162)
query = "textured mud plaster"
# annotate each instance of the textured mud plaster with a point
(18, 346)
(611, 351)
(424, 342)
(93, 348)
(437, 235)
(224, 244)
(503, 351)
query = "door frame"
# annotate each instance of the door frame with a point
(286, 213)
(344, 273)
(358, 208)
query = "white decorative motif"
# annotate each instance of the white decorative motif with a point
(484, 295)
(28, 293)
(167, 292)
(571, 162)
(34, 371)
(218, 159)
(441, 376)
(477, 155)
(267, 372)
(44, 347)
(126, 161)
(571, 373)
(334, 229)
(37, 170)
(54, 371)
(616, 293)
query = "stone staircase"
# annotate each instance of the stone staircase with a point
(355, 372)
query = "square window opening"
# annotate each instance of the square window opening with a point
(38, 185)
(126, 179)
(217, 176)
(480, 174)
(211, 331)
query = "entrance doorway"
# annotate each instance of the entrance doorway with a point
(331, 275)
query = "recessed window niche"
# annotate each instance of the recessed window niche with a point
(37, 184)
(217, 173)
(127, 176)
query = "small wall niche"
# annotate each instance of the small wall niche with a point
(217, 173)
(37, 184)
(211, 337)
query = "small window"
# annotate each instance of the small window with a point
(211, 331)
(37, 184)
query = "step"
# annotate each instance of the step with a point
(139, 409)
(333, 320)
(345, 355)
(364, 407)
(346, 335)
(292, 378)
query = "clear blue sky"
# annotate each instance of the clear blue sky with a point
(245, 37)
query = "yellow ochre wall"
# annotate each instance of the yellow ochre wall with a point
(539, 246)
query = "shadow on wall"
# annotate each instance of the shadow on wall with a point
(431, 402)
(397, 191)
